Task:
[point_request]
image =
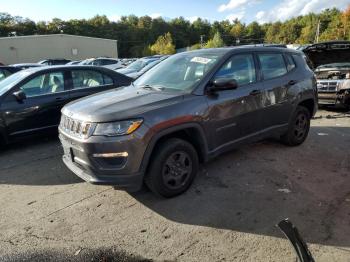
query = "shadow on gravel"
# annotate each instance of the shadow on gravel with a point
(82, 256)
(252, 189)
(35, 162)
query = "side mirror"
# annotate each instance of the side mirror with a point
(222, 84)
(20, 95)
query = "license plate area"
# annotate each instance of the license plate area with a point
(68, 151)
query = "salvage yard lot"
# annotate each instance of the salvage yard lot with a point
(228, 214)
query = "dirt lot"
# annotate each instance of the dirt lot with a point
(228, 215)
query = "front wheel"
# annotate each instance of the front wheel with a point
(172, 170)
(298, 128)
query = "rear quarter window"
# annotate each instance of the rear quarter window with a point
(306, 61)
(272, 65)
(290, 63)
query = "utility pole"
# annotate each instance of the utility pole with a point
(202, 41)
(318, 31)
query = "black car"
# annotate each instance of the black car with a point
(6, 71)
(31, 100)
(51, 62)
(190, 108)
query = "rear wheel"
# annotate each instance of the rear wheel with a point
(298, 128)
(173, 168)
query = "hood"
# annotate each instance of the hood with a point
(126, 71)
(328, 53)
(119, 104)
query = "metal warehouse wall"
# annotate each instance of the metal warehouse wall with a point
(31, 49)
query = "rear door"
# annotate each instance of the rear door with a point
(84, 82)
(40, 110)
(274, 97)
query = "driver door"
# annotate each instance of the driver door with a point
(40, 110)
(235, 115)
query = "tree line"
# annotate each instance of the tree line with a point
(139, 36)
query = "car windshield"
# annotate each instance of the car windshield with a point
(179, 72)
(335, 65)
(12, 80)
(139, 64)
(149, 66)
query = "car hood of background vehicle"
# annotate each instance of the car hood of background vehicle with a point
(328, 53)
(119, 104)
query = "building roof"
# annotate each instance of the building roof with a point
(55, 35)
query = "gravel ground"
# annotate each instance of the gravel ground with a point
(48, 214)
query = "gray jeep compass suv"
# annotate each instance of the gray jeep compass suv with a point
(188, 109)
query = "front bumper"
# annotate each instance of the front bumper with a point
(334, 98)
(85, 159)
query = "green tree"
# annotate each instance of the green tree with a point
(273, 32)
(164, 45)
(254, 33)
(195, 47)
(237, 30)
(215, 42)
(136, 35)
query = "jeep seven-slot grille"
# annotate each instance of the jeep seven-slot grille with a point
(75, 127)
(327, 85)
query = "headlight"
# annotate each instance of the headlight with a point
(117, 128)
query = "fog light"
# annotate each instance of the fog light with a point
(111, 155)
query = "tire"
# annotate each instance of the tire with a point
(173, 168)
(298, 128)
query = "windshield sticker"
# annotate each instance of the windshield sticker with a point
(201, 60)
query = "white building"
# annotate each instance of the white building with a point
(31, 49)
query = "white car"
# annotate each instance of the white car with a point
(110, 63)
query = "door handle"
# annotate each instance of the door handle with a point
(292, 82)
(255, 93)
(59, 99)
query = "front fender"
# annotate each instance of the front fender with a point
(168, 131)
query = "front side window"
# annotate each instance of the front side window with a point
(89, 78)
(272, 65)
(240, 68)
(44, 84)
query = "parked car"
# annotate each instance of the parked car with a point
(191, 108)
(138, 65)
(26, 65)
(136, 75)
(271, 45)
(74, 62)
(331, 62)
(110, 63)
(6, 71)
(127, 61)
(31, 100)
(57, 61)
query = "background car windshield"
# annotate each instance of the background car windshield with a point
(138, 65)
(12, 80)
(180, 72)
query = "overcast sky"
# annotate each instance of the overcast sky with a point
(245, 10)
